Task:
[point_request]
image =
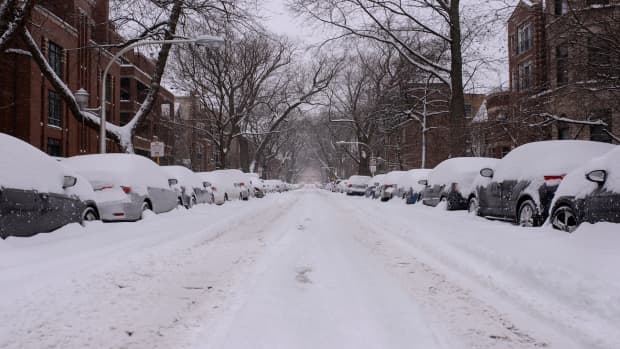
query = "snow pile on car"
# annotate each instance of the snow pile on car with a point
(359, 180)
(185, 176)
(411, 179)
(576, 184)
(462, 171)
(23, 166)
(131, 170)
(534, 161)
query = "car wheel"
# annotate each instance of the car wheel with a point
(145, 207)
(89, 214)
(527, 214)
(564, 219)
(473, 206)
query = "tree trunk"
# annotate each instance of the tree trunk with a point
(457, 136)
(363, 168)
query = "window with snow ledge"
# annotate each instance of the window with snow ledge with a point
(53, 147)
(54, 57)
(524, 38)
(53, 109)
(525, 75)
(597, 2)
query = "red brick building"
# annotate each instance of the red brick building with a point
(70, 34)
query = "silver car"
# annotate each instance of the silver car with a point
(125, 185)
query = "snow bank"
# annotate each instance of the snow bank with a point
(576, 184)
(462, 171)
(533, 161)
(131, 170)
(23, 166)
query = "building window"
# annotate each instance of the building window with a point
(125, 118)
(501, 115)
(53, 147)
(525, 75)
(53, 109)
(561, 55)
(513, 44)
(54, 57)
(599, 58)
(468, 111)
(109, 88)
(563, 131)
(599, 133)
(525, 38)
(125, 89)
(560, 7)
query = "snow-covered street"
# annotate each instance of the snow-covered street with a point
(311, 269)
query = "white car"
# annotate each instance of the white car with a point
(190, 188)
(125, 185)
(227, 185)
(390, 188)
(357, 185)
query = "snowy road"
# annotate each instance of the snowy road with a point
(311, 269)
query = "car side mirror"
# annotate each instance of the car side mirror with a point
(598, 176)
(68, 182)
(173, 181)
(423, 182)
(487, 172)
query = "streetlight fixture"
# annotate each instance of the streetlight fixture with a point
(205, 40)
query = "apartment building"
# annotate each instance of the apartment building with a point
(72, 35)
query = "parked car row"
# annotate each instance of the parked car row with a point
(39, 193)
(564, 182)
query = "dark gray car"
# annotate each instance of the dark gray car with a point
(589, 194)
(32, 191)
(524, 182)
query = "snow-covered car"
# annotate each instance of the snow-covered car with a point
(389, 187)
(257, 186)
(227, 185)
(342, 186)
(36, 192)
(452, 181)
(336, 185)
(357, 185)
(374, 186)
(523, 183)
(410, 186)
(190, 188)
(125, 185)
(590, 193)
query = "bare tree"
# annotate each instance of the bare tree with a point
(393, 23)
(13, 14)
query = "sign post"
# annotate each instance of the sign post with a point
(157, 150)
(373, 165)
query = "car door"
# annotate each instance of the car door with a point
(489, 199)
(511, 191)
(602, 206)
(19, 212)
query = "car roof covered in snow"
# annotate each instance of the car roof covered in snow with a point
(119, 169)
(535, 160)
(23, 166)
(184, 175)
(462, 170)
(576, 184)
(359, 179)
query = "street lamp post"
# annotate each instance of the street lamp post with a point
(372, 154)
(207, 40)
